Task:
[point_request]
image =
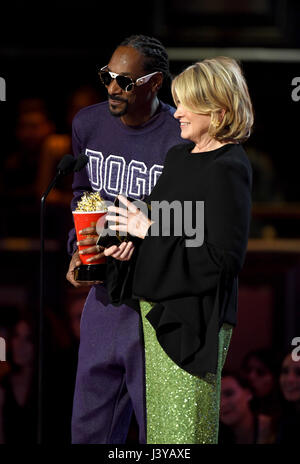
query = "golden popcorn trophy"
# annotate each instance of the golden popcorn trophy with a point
(90, 209)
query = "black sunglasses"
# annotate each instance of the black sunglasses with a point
(124, 82)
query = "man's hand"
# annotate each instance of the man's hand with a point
(92, 238)
(75, 261)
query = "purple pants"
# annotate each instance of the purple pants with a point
(110, 381)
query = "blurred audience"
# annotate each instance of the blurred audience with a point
(261, 368)
(239, 424)
(265, 189)
(265, 180)
(57, 145)
(289, 423)
(18, 394)
(261, 403)
(18, 186)
(33, 126)
(83, 96)
(30, 165)
(19, 374)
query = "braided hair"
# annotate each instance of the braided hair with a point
(156, 57)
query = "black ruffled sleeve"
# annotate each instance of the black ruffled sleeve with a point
(166, 268)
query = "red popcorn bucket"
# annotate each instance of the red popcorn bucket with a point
(95, 270)
(82, 220)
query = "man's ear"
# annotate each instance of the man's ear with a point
(157, 81)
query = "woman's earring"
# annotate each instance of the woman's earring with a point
(216, 124)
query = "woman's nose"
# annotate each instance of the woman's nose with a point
(178, 112)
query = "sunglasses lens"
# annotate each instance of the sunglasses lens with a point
(124, 82)
(105, 77)
(129, 87)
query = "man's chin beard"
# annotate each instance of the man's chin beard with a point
(116, 112)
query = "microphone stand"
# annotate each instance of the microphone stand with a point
(65, 166)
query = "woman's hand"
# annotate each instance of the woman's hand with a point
(129, 219)
(123, 252)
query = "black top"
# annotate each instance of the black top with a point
(226, 435)
(289, 423)
(19, 420)
(195, 287)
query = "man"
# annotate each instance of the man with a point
(126, 140)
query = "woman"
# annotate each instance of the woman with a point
(239, 423)
(289, 380)
(261, 368)
(188, 291)
(18, 387)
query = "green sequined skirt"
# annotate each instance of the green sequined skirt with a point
(181, 408)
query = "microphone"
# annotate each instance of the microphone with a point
(81, 162)
(66, 165)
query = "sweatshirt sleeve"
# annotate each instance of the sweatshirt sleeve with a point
(166, 268)
(80, 184)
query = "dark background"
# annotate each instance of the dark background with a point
(50, 49)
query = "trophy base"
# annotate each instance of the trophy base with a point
(90, 272)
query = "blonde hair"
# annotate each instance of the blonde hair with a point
(213, 85)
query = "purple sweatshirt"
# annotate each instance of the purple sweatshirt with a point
(122, 159)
